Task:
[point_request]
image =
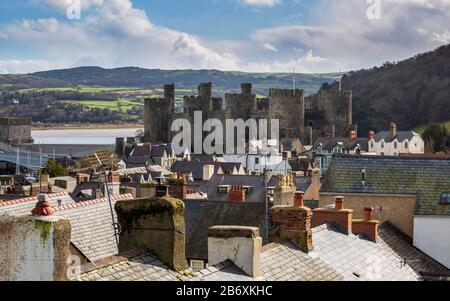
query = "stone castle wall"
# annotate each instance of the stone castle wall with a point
(15, 130)
(327, 112)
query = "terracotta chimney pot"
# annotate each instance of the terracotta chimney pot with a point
(299, 199)
(339, 202)
(43, 207)
(368, 211)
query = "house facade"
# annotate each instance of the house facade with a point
(395, 143)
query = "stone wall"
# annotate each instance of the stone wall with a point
(15, 130)
(155, 223)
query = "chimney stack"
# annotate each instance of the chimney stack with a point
(242, 245)
(177, 186)
(367, 226)
(155, 223)
(292, 223)
(338, 215)
(34, 248)
(353, 135)
(237, 194)
(371, 135)
(393, 129)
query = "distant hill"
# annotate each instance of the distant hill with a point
(151, 78)
(412, 93)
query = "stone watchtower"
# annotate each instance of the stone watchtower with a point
(288, 106)
(158, 116)
(15, 130)
(240, 106)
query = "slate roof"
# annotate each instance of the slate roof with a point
(25, 205)
(336, 257)
(194, 167)
(254, 196)
(201, 215)
(140, 265)
(257, 182)
(401, 136)
(92, 230)
(425, 177)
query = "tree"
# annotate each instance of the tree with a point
(436, 136)
(55, 169)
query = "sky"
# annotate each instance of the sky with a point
(312, 36)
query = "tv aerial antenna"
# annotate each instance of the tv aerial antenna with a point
(116, 226)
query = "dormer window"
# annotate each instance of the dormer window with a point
(372, 145)
(319, 150)
(406, 144)
(223, 189)
(382, 144)
(395, 144)
(445, 198)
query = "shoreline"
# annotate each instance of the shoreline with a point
(44, 127)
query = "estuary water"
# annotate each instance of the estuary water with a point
(81, 136)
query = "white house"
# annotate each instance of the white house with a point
(394, 143)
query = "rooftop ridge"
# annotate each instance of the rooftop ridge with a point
(402, 157)
(93, 202)
(30, 199)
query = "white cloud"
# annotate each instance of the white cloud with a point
(260, 3)
(113, 33)
(344, 34)
(270, 47)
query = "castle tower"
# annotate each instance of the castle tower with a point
(158, 116)
(288, 106)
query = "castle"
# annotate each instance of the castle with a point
(327, 113)
(15, 130)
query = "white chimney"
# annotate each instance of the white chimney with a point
(208, 172)
(242, 245)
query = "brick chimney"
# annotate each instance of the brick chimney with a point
(353, 135)
(292, 223)
(242, 245)
(371, 135)
(393, 129)
(177, 186)
(284, 193)
(237, 194)
(24, 239)
(339, 215)
(367, 226)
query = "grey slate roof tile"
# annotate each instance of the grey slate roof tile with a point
(427, 178)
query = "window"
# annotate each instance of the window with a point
(395, 144)
(382, 144)
(319, 150)
(197, 265)
(406, 144)
(256, 160)
(223, 189)
(372, 145)
(445, 198)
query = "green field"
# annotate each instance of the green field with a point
(114, 105)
